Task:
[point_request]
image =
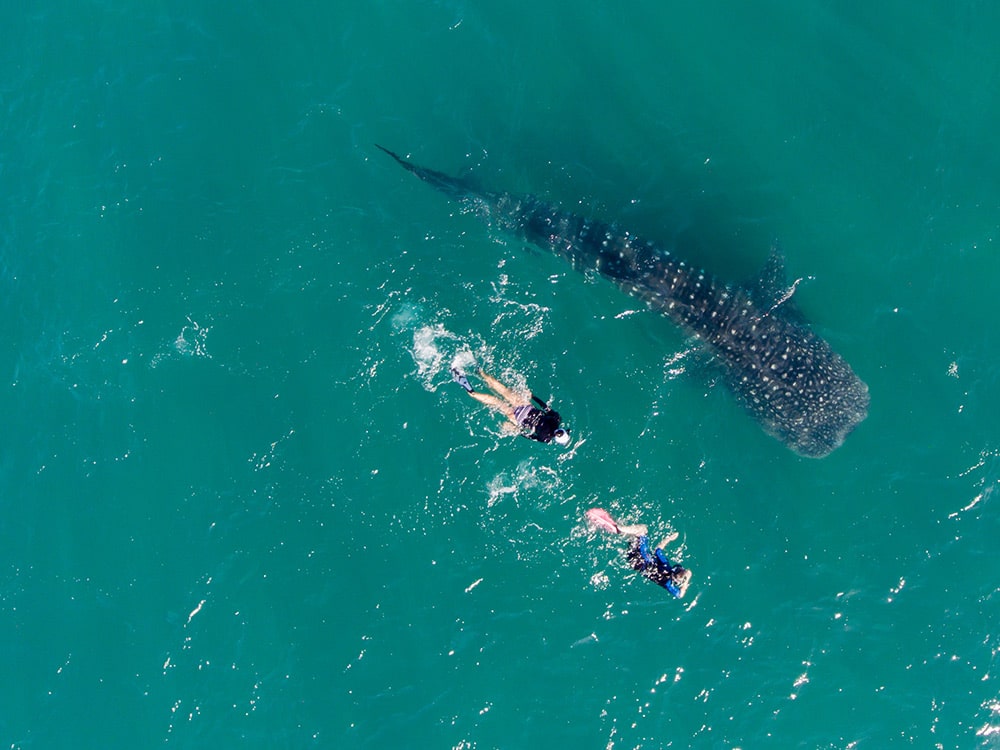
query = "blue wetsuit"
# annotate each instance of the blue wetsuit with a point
(655, 566)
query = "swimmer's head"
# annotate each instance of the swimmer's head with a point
(547, 428)
(561, 436)
(680, 577)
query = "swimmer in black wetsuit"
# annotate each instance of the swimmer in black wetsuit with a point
(654, 565)
(532, 420)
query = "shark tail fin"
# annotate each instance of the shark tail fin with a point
(451, 186)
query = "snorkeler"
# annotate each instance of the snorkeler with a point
(535, 422)
(655, 566)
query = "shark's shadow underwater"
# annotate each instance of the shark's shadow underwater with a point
(790, 379)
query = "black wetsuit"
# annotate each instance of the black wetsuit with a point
(537, 424)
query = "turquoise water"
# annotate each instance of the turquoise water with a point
(242, 503)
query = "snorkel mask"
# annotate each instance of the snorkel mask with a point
(561, 436)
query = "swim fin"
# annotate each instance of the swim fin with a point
(459, 377)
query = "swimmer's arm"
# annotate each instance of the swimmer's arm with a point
(668, 539)
(660, 554)
(510, 428)
(662, 557)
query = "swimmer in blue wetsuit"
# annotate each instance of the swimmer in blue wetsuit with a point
(526, 413)
(655, 565)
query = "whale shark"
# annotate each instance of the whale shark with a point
(788, 377)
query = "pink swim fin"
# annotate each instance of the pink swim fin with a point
(601, 519)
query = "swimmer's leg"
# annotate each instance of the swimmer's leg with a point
(501, 390)
(602, 519)
(494, 403)
(636, 559)
(638, 529)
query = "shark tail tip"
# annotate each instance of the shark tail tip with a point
(393, 154)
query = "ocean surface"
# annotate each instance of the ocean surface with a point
(243, 505)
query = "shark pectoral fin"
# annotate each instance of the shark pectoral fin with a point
(771, 291)
(771, 281)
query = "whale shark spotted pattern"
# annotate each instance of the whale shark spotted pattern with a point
(788, 377)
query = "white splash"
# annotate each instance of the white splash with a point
(195, 611)
(427, 352)
(190, 342)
